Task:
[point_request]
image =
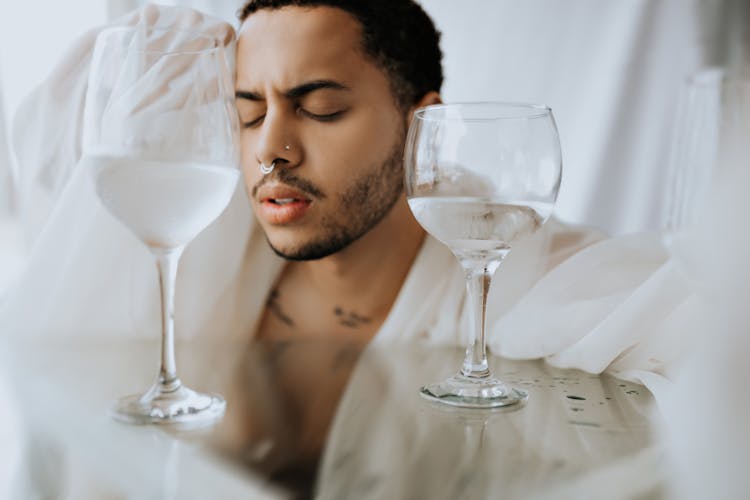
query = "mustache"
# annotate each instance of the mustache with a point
(284, 176)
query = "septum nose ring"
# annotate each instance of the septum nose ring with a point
(266, 169)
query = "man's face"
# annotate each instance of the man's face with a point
(312, 102)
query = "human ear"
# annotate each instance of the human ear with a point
(429, 98)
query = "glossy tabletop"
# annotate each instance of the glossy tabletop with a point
(322, 419)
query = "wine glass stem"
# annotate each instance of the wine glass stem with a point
(477, 285)
(166, 263)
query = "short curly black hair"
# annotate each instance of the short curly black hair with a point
(398, 35)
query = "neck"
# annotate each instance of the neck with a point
(369, 273)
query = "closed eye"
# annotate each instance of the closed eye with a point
(325, 117)
(322, 117)
(253, 123)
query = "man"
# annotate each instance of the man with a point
(325, 91)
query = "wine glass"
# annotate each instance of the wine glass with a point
(161, 141)
(480, 176)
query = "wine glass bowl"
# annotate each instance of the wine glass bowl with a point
(479, 177)
(161, 142)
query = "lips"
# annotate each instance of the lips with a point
(281, 204)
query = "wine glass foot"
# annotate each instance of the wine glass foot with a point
(174, 405)
(470, 392)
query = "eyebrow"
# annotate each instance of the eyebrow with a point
(296, 92)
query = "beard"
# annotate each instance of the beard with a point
(366, 202)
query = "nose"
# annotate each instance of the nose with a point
(277, 142)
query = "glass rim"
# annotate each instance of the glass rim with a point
(533, 111)
(218, 45)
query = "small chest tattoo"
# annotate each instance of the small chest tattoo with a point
(350, 319)
(275, 307)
